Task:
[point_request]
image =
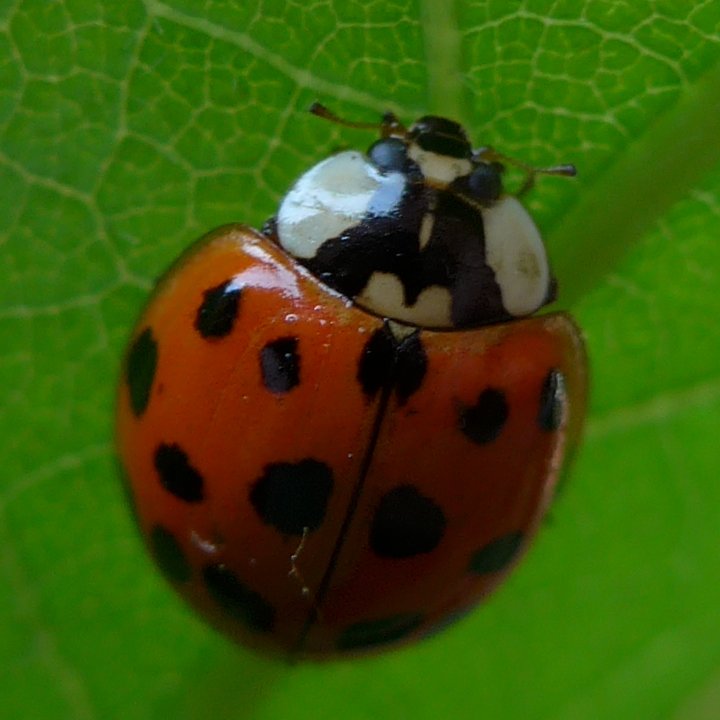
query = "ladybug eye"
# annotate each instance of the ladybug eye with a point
(485, 183)
(389, 155)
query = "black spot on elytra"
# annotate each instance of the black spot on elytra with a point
(484, 421)
(177, 475)
(169, 555)
(411, 366)
(447, 622)
(378, 632)
(386, 361)
(280, 365)
(552, 401)
(496, 555)
(217, 313)
(293, 496)
(377, 361)
(140, 370)
(406, 523)
(238, 600)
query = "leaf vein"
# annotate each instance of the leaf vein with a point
(302, 77)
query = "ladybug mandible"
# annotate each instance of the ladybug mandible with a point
(340, 433)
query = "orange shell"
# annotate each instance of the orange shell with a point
(368, 573)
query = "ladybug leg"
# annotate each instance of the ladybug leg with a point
(490, 155)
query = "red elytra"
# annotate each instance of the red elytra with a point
(315, 485)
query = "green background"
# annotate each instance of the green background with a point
(129, 128)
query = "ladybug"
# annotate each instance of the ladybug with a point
(339, 434)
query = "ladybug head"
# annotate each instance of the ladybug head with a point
(440, 136)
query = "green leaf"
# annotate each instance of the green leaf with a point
(127, 129)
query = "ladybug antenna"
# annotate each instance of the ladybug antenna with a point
(389, 125)
(489, 154)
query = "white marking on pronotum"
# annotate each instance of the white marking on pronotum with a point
(384, 294)
(426, 228)
(516, 253)
(332, 197)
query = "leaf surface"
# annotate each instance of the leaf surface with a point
(127, 129)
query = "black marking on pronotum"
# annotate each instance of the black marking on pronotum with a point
(280, 365)
(459, 230)
(140, 369)
(453, 257)
(293, 497)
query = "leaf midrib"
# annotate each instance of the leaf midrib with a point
(441, 38)
(652, 173)
(656, 409)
